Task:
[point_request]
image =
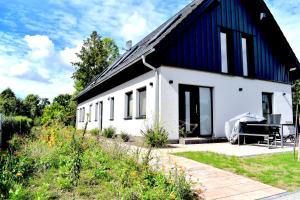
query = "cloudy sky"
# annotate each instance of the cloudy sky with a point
(38, 39)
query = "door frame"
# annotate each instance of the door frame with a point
(180, 85)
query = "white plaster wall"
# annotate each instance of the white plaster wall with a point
(132, 127)
(228, 101)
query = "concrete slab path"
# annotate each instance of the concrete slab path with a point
(217, 183)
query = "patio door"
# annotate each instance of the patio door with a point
(195, 110)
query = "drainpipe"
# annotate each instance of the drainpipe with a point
(156, 102)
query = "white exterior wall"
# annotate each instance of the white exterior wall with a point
(132, 127)
(228, 101)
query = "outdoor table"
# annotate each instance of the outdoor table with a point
(262, 134)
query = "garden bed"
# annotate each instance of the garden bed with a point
(55, 163)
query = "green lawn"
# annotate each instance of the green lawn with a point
(279, 170)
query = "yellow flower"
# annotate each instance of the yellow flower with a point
(133, 174)
(172, 196)
(19, 174)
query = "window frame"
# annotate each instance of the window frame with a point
(128, 116)
(138, 105)
(90, 112)
(224, 50)
(249, 54)
(270, 97)
(96, 111)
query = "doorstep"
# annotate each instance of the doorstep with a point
(199, 140)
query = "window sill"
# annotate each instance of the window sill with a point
(141, 117)
(111, 119)
(127, 118)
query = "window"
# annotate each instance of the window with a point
(78, 115)
(83, 114)
(267, 106)
(129, 105)
(112, 102)
(245, 56)
(96, 111)
(141, 103)
(90, 113)
(224, 52)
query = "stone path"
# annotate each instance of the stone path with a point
(217, 183)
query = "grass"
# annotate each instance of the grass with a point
(279, 170)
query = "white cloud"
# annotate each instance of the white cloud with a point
(287, 15)
(41, 70)
(134, 27)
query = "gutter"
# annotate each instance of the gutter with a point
(156, 102)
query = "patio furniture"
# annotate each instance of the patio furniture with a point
(291, 130)
(268, 131)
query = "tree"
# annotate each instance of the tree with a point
(62, 109)
(31, 104)
(63, 99)
(95, 56)
(8, 102)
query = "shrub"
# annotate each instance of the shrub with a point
(124, 136)
(108, 132)
(156, 136)
(94, 131)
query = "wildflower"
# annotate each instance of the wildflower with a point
(19, 174)
(172, 196)
(133, 174)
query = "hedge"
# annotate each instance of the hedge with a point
(14, 125)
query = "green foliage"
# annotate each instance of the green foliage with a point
(13, 125)
(63, 109)
(8, 102)
(95, 56)
(296, 92)
(124, 136)
(57, 163)
(53, 112)
(94, 132)
(108, 132)
(156, 136)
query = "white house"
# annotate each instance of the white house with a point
(213, 60)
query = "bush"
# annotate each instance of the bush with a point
(156, 136)
(109, 132)
(94, 132)
(124, 136)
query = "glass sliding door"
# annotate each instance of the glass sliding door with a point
(205, 102)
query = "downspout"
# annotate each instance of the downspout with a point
(156, 92)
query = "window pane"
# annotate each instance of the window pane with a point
(130, 104)
(96, 111)
(142, 103)
(90, 113)
(245, 56)
(187, 112)
(205, 112)
(112, 108)
(224, 53)
(267, 105)
(83, 115)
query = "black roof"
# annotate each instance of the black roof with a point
(147, 45)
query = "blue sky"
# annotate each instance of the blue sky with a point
(38, 39)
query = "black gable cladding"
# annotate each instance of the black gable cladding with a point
(190, 39)
(195, 43)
